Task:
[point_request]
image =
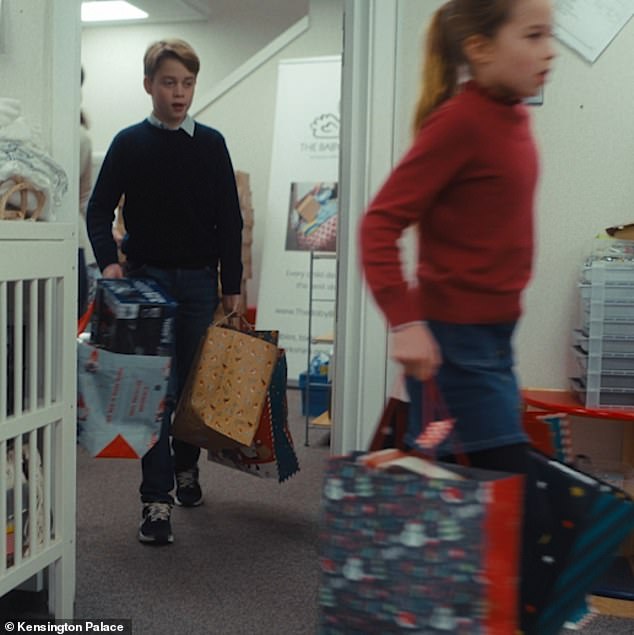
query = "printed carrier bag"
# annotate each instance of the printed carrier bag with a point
(408, 545)
(120, 401)
(573, 527)
(271, 455)
(227, 386)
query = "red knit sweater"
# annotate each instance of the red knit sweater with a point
(468, 181)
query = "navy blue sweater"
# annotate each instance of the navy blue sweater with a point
(181, 203)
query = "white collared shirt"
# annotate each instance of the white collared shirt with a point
(187, 124)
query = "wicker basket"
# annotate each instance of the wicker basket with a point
(25, 210)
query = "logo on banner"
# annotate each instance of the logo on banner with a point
(312, 217)
(325, 127)
(325, 136)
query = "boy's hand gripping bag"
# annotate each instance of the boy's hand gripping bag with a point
(271, 455)
(227, 387)
(412, 545)
(120, 401)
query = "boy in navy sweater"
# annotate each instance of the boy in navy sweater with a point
(183, 223)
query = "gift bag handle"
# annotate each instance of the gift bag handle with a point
(244, 323)
(437, 424)
(434, 404)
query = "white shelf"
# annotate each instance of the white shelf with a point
(323, 420)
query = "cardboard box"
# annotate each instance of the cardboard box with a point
(308, 208)
(133, 316)
(621, 232)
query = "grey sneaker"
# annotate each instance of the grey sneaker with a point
(155, 527)
(188, 492)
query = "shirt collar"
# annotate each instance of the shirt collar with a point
(188, 124)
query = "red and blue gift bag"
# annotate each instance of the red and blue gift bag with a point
(550, 434)
(405, 552)
(572, 527)
(271, 454)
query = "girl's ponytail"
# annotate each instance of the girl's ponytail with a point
(440, 70)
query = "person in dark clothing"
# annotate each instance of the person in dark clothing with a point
(84, 255)
(183, 223)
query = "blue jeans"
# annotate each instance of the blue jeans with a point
(196, 291)
(478, 385)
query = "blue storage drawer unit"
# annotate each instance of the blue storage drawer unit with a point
(318, 397)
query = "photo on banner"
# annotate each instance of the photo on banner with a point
(312, 217)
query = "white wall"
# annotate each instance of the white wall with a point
(113, 95)
(31, 57)
(585, 130)
(245, 115)
(23, 69)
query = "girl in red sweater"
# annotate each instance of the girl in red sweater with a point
(468, 184)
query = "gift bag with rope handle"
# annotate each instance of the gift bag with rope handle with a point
(226, 389)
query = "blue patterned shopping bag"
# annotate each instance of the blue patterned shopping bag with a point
(430, 553)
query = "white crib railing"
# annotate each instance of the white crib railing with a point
(37, 408)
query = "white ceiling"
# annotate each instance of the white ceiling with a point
(161, 11)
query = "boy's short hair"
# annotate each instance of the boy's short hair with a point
(171, 48)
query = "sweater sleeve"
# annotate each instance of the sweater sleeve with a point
(101, 209)
(229, 225)
(438, 153)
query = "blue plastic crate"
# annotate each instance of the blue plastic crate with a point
(318, 395)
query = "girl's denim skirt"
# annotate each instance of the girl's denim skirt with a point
(478, 385)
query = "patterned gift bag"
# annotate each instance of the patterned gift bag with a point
(574, 525)
(120, 401)
(428, 553)
(549, 433)
(271, 455)
(227, 386)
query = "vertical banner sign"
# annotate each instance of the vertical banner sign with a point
(302, 209)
